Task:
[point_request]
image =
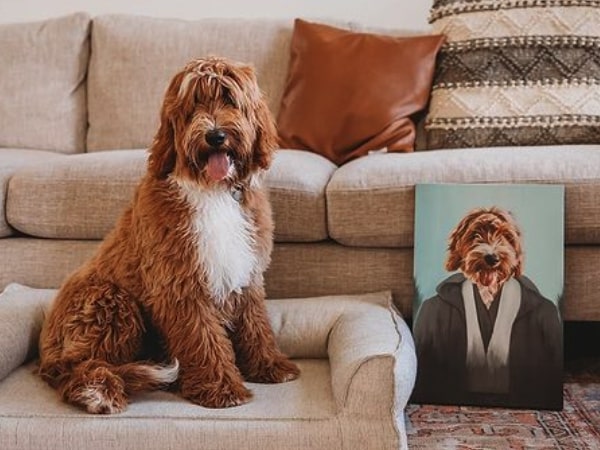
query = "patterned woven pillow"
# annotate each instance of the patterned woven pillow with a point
(515, 72)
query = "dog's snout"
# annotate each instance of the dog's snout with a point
(491, 259)
(216, 138)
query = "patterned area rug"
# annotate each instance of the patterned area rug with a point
(576, 427)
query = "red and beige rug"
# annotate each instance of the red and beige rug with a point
(576, 427)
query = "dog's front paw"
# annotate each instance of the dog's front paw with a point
(221, 395)
(277, 371)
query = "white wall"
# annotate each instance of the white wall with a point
(407, 14)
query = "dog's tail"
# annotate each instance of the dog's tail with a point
(102, 388)
(139, 377)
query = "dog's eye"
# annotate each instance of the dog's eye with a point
(229, 100)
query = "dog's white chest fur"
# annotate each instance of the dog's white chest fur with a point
(224, 238)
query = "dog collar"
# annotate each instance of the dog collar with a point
(237, 192)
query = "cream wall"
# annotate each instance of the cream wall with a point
(409, 14)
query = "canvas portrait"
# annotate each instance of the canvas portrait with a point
(488, 275)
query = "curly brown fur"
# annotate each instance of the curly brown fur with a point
(486, 247)
(185, 261)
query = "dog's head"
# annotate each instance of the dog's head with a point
(214, 125)
(486, 247)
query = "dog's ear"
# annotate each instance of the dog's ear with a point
(520, 257)
(454, 258)
(266, 141)
(162, 153)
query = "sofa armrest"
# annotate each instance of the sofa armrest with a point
(22, 312)
(369, 347)
(372, 359)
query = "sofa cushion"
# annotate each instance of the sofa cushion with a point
(42, 263)
(12, 160)
(133, 59)
(370, 201)
(297, 181)
(42, 84)
(77, 197)
(355, 353)
(348, 93)
(82, 196)
(516, 73)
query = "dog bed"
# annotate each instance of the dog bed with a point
(358, 369)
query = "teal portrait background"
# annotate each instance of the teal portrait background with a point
(537, 209)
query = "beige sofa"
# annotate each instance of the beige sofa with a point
(79, 103)
(78, 107)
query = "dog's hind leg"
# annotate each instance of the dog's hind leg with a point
(95, 387)
(101, 388)
(89, 342)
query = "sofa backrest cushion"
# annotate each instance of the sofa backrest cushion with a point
(42, 84)
(134, 58)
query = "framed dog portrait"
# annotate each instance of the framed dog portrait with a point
(488, 273)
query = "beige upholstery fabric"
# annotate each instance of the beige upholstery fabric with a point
(42, 84)
(370, 202)
(134, 58)
(78, 197)
(297, 182)
(327, 268)
(81, 197)
(12, 160)
(44, 263)
(41, 263)
(302, 270)
(21, 318)
(357, 374)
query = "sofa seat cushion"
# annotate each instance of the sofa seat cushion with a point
(12, 160)
(82, 196)
(370, 201)
(358, 366)
(297, 181)
(77, 197)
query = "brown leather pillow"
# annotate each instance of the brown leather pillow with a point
(348, 93)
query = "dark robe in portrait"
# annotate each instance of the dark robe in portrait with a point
(531, 375)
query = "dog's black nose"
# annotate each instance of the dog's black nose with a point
(215, 138)
(490, 259)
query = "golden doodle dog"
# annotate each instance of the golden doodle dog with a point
(185, 262)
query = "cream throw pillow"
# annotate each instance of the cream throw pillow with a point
(515, 73)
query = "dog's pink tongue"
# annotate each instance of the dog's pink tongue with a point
(488, 279)
(218, 166)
